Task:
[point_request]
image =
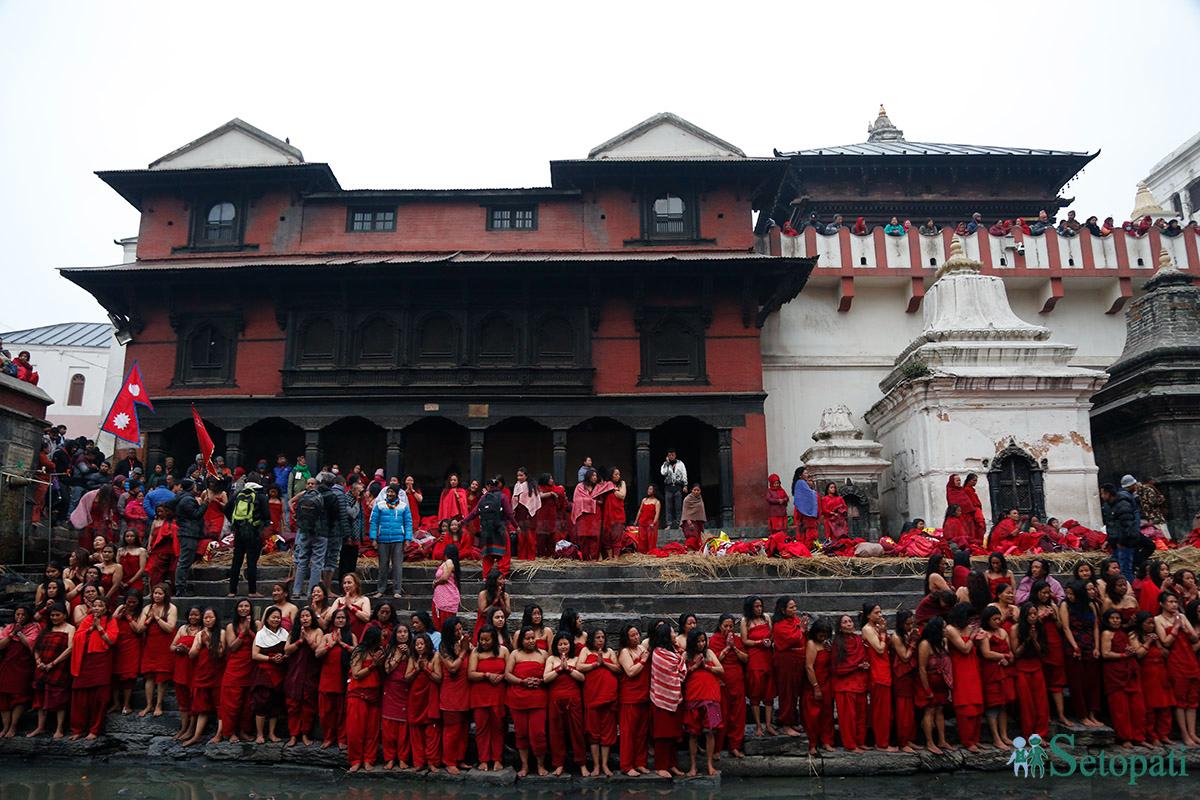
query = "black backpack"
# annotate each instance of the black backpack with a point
(491, 510)
(309, 509)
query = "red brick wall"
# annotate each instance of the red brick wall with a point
(732, 353)
(598, 221)
(260, 353)
(750, 472)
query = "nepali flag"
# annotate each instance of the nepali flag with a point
(205, 441)
(122, 419)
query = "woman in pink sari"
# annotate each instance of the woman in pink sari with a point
(586, 508)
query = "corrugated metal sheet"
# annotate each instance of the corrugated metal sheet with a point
(902, 148)
(65, 334)
(372, 259)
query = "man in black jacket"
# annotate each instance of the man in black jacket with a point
(1120, 521)
(248, 512)
(317, 514)
(189, 517)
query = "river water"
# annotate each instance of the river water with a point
(69, 781)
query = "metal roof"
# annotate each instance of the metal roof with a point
(380, 259)
(65, 334)
(903, 148)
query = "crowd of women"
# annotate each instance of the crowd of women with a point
(404, 689)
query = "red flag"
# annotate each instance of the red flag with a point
(122, 419)
(206, 442)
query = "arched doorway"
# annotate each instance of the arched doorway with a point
(267, 438)
(433, 448)
(610, 444)
(695, 443)
(350, 441)
(179, 442)
(517, 442)
(1015, 480)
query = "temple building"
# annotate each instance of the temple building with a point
(615, 313)
(890, 176)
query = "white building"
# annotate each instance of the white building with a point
(1175, 181)
(79, 364)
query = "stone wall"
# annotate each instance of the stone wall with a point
(22, 417)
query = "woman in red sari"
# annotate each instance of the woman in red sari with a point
(302, 677)
(649, 514)
(1157, 697)
(91, 671)
(415, 497)
(157, 624)
(1028, 643)
(600, 668)
(424, 674)
(954, 528)
(614, 517)
(817, 700)
(634, 659)
(181, 669)
(52, 671)
(1058, 642)
(393, 707)
(364, 694)
(128, 659)
(961, 642)
(1178, 636)
(587, 508)
(904, 642)
(788, 636)
(702, 700)
(527, 700)
(266, 694)
(454, 694)
(453, 502)
(207, 651)
(995, 668)
(834, 513)
(1119, 651)
(851, 674)
(875, 637)
(527, 500)
(777, 505)
(972, 509)
(733, 657)
(132, 557)
(565, 704)
(233, 708)
(485, 671)
(755, 631)
(547, 522)
(472, 528)
(17, 642)
(667, 670)
(334, 654)
(933, 690)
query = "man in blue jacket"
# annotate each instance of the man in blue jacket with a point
(391, 529)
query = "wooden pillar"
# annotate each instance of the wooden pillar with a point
(725, 468)
(559, 436)
(477, 454)
(233, 449)
(394, 460)
(154, 452)
(642, 441)
(312, 450)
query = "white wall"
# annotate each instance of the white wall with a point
(56, 365)
(1173, 174)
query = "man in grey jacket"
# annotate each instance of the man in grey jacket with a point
(189, 517)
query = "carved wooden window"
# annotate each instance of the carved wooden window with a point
(497, 342)
(438, 341)
(1015, 480)
(205, 351)
(554, 342)
(376, 340)
(673, 346)
(317, 342)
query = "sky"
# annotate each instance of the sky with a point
(464, 94)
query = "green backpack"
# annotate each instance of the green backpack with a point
(246, 507)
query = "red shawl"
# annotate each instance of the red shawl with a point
(958, 496)
(90, 641)
(584, 501)
(453, 503)
(1003, 535)
(953, 530)
(777, 496)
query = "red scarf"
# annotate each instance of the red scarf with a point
(88, 640)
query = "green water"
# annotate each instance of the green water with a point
(69, 781)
